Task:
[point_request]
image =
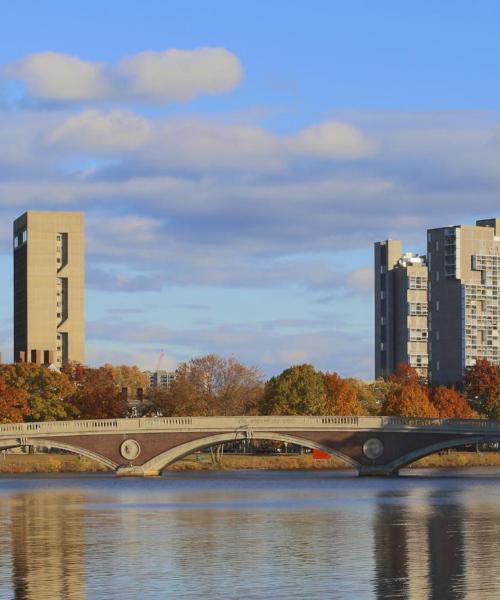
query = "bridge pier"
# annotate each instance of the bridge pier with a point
(135, 472)
(377, 471)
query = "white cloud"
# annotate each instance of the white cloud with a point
(95, 130)
(331, 139)
(181, 75)
(198, 144)
(171, 75)
(60, 77)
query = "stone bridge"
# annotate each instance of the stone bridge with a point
(146, 446)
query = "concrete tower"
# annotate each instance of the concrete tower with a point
(49, 287)
(400, 309)
(464, 298)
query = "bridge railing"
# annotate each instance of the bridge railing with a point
(243, 423)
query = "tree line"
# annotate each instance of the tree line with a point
(215, 386)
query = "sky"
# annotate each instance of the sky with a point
(236, 161)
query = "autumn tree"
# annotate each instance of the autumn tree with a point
(298, 390)
(405, 374)
(450, 404)
(340, 396)
(48, 391)
(409, 400)
(371, 395)
(130, 377)
(14, 406)
(96, 394)
(211, 386)
(482, 386)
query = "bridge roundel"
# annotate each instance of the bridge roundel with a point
(130, 449)
(373, 448)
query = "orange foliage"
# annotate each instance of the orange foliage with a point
(340, 397)
(451, 405)
(405, 374)
(13, 403)
(409, 400)
(97, 396)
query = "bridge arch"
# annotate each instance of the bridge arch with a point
(411, 457)
(160, 462)
(16, 443)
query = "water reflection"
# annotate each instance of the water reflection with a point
(46, 545)
(254, 536)
(420, 548)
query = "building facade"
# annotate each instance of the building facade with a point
(400, 309)
(49, 275)
(160, 379)
(439, 313)
(464, 298)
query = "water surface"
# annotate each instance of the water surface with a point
(251, 535)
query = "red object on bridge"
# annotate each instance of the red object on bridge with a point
(320, 455)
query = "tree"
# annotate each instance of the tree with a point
(14, 406)
(450, 404)
(482, 386)
(130, 377)
(371, 395)
(409, 400)
(340, 396)
(404, 374)
(211, 386)
(158, 401)
(96, 395)
(298, 390)
(48, 391)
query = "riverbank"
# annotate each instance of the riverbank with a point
(69, 463)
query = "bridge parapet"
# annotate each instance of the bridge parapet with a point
(243, 423)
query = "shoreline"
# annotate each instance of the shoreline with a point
(69, 463)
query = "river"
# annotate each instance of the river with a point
(251, 535)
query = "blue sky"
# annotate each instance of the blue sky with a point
(236, 161)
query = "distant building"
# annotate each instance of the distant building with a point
(49, 287)
(464, 298)
(160, 379)
(439, 313)
(400, 309)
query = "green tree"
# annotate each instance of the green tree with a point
(298, 390)
(48, 391)
(482, 386)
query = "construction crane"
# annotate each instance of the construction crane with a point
(160, 358)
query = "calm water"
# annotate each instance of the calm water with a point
(249, 535)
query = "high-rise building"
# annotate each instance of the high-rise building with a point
(49, 287)
(400, 309)
(464, 298)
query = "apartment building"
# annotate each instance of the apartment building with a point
(49, 287)
(400, 309)
(463, 298)
(160, 379)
